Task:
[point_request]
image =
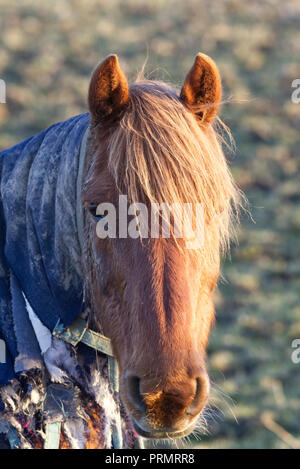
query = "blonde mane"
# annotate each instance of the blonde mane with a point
(160, 153)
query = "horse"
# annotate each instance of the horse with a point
(152, 296)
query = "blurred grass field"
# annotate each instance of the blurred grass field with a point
(47, 51)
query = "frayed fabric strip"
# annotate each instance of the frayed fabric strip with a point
(13, 438)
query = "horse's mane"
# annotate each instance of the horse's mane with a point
(160, 153)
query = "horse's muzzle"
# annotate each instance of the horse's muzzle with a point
(165, 411)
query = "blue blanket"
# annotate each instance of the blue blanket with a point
(40, 246)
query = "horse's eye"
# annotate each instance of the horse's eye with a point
(93, 211)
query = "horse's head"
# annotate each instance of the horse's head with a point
(151, 295)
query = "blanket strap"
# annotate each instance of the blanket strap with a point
(52, 439)
(79, 332)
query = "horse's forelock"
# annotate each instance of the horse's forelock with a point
(160, 153)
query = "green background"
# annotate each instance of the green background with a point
(47, 52)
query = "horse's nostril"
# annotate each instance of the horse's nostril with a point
(134, 393)
(200, 397)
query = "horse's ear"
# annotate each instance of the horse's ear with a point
(202, 89)
(108, 91)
